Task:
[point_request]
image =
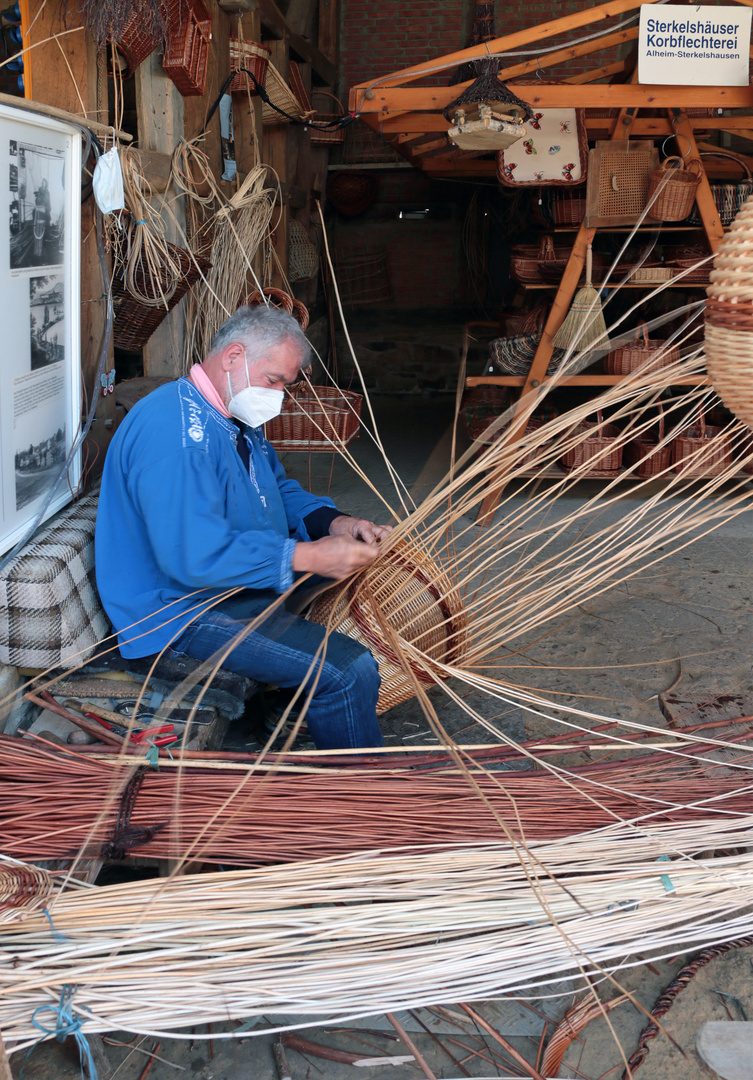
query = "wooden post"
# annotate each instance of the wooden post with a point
(704, 198)
(276, 155)
(329, 24)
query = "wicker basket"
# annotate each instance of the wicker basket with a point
(650, 275)
(136, 43)
(686, 258)
(255, 58)
(412, 595)
(643, 353)
(278, 298)
(514, 355)
(650, 458)
(352, 192)
(731, 196)
(524, 264)
(702, 450)
(186, 58)
(597, 452)
(552, 261)
(567, 207)
(481, 404)
(729, 318)
(674, 186)
(315, 419)
(364, 279)
(323, 136)
(303, 258)
(134, 322)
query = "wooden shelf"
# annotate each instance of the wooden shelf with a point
(569, 380)
(645, 285)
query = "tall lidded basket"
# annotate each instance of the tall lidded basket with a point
(729, 318)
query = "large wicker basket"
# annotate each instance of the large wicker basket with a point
(186, 58)
(315, 419)
(673, 188)
(134, 322)
(597, 451)
(524, 264)
(643, 353)
(702, 450)
(409, 593)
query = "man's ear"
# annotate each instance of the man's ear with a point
(231, 355)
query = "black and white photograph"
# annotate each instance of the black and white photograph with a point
(37, 465)
(46, 320)
(13, 151)
(37, 207)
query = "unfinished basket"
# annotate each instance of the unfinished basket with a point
(650, 458)
(364, 279)
(303, 258)
(643, 353)
(597, 451)
(315, 419)
(673, 188)
(324, 135)
(729, 318)
(409, 593)
(134, 322)
(702, 450)
(255, 58)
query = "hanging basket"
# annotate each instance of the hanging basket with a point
(136, 42)
(315, 419)
(255, 58)
(352, 192)
(134, 322)
(327, 136)
(702, 450)
(186, 57)
(675, 185)
(650, 458)
(303, 258)
(279, 299)
(597, 452)
(412, 595)
(729, 318)
(643, 352)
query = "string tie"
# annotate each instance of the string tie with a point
(66, 1023)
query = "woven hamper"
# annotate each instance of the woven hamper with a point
(643, 353)
(134, 322)
(729, 318)
(315, 419)
(702, 450)
(413, 596)
(50, 612)
(596, 452)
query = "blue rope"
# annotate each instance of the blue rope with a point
(66, 1023)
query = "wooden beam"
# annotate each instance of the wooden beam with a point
(275, 23)
(424, 122)
(564, 55)
(557, 96)
(64, 114)
(598, 73)
(426, 148)
(329, 26)
(518, 39)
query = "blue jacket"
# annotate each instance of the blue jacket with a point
(179, 513)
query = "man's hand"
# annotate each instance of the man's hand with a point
(358, 528)
(333, 556)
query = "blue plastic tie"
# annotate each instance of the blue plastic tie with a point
(66, 1023)
(142, 222)
(665, 878)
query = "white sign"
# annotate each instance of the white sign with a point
(40, 369)
(694, 46)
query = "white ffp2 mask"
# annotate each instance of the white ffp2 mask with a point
(254, 405)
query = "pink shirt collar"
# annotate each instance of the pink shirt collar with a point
(206, 388)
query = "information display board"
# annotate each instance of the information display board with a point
(694, 46)
(40, 368)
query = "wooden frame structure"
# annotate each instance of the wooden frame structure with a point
(410, 117)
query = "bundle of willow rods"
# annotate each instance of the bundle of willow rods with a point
(366, 935)
(54, 804)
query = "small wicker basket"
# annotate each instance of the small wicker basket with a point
(408, 592)
(643, 353)
(186, 58)
(674, 186)
(255, 58)
(597, 452)
(524, 264)
(327, 136)
(315, 419)
(650, 458)
(567, 207)
(702, 450)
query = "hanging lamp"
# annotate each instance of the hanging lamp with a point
(487, 115)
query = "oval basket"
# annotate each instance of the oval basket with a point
(674, 186)
(702, 450)
(524, 264)
(408, 592)
(596, 453)
(315, 419)
(643, 353)
(280, 299)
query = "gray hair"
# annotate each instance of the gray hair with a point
(260, 329)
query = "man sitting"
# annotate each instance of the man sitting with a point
(195, 504)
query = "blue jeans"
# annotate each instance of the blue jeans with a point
(342, 712)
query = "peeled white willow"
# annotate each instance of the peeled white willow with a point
(371, 933)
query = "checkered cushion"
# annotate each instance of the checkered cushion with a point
(50, 612)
